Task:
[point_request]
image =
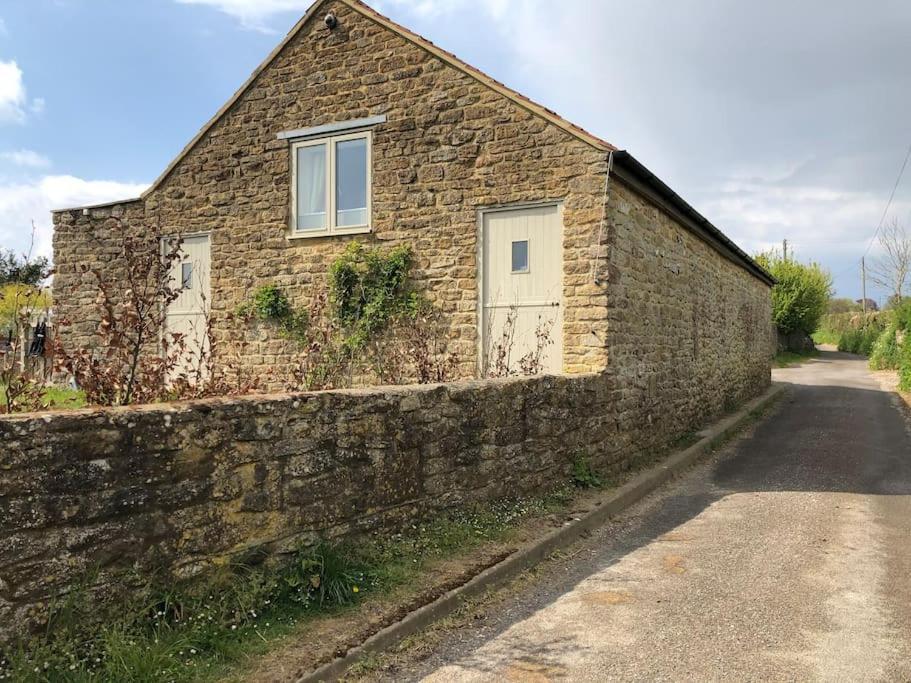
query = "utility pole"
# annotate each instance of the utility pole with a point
(863, 276)
(784, 249)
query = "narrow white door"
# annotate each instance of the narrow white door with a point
(187, 315)
(522, 291)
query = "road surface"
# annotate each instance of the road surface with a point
(786, 557)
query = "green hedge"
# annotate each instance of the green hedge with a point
(904, 370)
(886, 353)
(859, 341)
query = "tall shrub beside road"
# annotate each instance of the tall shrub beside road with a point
(902, 322)
(904, 370)
(886, 353)
(801, 295)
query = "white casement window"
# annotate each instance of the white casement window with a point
(331, 185)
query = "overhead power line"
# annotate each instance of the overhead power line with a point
(889, 203)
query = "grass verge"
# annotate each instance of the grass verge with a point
(787, 359)
(200, 631)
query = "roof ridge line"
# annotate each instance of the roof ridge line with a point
(451, 59)
(485, 79)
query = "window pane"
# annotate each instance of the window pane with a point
(186, 275)
(520, 257)
(351, 182)
(311, 188)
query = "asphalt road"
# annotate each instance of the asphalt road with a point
(785, 557)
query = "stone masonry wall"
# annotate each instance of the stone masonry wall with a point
(690, 333)
(187, 486)
(83, 245)
(451, 145)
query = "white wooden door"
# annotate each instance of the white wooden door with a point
(187, 314)
(522, 290)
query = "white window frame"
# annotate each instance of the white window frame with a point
(331, 189)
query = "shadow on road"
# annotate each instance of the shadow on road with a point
(833, 432)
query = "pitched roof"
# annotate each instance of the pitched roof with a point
(448, 57)
(693, 220)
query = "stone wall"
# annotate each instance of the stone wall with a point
(450, 146)
(86, 243)
(187, 486)
(690, 333)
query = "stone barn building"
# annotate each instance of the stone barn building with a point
(355, 128)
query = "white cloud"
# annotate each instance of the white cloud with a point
(496, 9)
(26, 158)
(12, 93)
(766, 140)
(22, 203)
(253, 14)
(14, 104)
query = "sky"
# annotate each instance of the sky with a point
(776, 120)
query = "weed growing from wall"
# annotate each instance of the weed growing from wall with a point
(269, 303)
(583, 475)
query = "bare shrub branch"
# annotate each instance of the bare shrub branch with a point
(498, 358)
(893, 269)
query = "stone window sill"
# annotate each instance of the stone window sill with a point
(316, 234)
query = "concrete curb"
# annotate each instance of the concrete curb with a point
(633, 491)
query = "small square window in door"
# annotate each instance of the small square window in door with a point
(186, 275)
(520, 256)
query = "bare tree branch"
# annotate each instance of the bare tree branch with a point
(893, 269)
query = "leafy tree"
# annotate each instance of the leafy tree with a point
(801, 296)
(19, 270)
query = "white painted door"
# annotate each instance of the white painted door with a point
(187, 314)
(522, 291)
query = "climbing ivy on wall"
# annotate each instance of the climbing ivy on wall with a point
(369, 288)
(270, 303)
(369, 317)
